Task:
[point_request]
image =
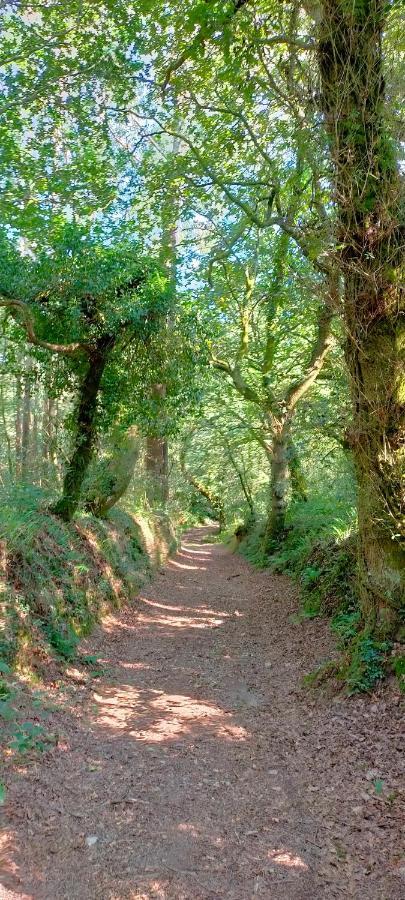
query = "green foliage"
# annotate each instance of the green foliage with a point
(367, 664)
(346, 626)
(60, 577)
(190, 225)
(63, 642)
(325, 571)
(30, 736)
(397, 665)
(307, 552)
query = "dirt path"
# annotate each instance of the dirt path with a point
(197, 768)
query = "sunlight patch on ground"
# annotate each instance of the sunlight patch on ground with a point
(133, 665)
(205, 610)
(112, 623)
(156, 890)
(11, 895)
(161, 717)
(191, 554)
(180, 621)
(187, 828)
(287, 859)
(189, 549)
(184, 566)
(119, 707)
(9, 868)
(185, 713)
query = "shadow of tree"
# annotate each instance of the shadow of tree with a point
(158, 788)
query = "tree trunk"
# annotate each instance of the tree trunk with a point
(157, 448)
(5, 430)
(26, 421)
(157, 470)
(298, 481)
(45, 434)
(18, 427)
(85, 430)
(368, 204)
(279, 484)
(247, 493)
(33, 451)
(53, 411)
(112, 476)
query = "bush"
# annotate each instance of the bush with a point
(323, 566)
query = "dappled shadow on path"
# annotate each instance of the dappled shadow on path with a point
(185, 770)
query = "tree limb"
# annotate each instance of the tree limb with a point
(28, 324)
(322, 345)
(200, 37)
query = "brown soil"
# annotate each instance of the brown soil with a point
(197, 767)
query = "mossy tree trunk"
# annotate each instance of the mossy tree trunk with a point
(111, 477)
(279, 486)
(157, 470)
(367, 189)
(85, 429)
(299, 487)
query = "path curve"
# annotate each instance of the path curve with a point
(197, 768)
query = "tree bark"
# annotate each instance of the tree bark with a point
(157, 448)
(5, 430)
(26, 421)
(18, 427)
(299, 490)
(157, 470)
(157, 464)
(279, 484)
(112, 477)
(367, 186)
(85, 430)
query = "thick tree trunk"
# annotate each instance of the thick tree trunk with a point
(111, 477)
(157, 448)
(85, 431)
(368, 204)
(299, 489)
(157, 470)
(279, 484)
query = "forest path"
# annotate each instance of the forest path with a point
(195, 767)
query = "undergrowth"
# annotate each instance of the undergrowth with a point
(56, 579)
(323, 565)
(324, 568)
